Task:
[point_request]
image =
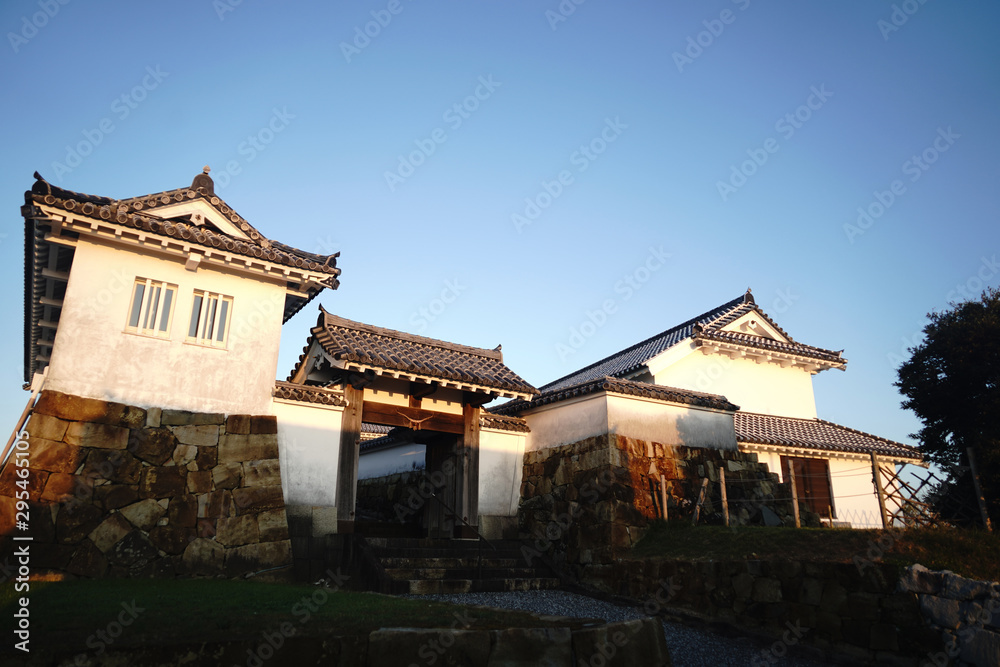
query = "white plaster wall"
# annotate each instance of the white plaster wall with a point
(391, 460)
(567, 421)
(853, 492)
(501, 459)
(94, 356)
(767, 388)
(655, 421)
(309, 451)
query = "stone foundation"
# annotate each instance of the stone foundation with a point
(590, 501)
(116, 490)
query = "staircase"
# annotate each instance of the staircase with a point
(423, 566)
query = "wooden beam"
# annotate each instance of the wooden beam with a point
(795, 494)
(420, 390)
(414, 418)
(360, 380)
(347, 467)
(978, 489)
(723, 494)
(476, 399)
(877, 481)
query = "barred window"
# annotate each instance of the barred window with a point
(210, 315)
(152, 307)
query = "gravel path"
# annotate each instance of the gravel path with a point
(689, 646)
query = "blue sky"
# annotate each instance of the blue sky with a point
(498, 172)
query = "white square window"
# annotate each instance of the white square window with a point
(210, 315)
(152, 308)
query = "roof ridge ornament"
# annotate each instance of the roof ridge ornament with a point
(203, 182)
(748, 297)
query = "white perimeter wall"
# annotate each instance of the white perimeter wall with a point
(634, 417)
(501, 462)
(765, 387)
(669, 424)
(94, 357)
(309, 451)
(853, 492)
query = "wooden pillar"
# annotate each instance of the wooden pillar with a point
(347, 466)
(877, 480)
(467, 500)
(795, 493)
(663, 495)
(722, 492)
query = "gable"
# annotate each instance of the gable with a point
(756, 323)
(201, 214)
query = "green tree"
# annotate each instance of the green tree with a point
(952, 383)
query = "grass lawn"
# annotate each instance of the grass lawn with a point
(66, 613)
(970, 553)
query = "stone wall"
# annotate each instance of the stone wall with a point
(391, 498)
(116, 490)
(590, 501)
(965, 612)
(859, 614)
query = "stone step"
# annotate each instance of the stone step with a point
(470, 561)
(453, 586)
(419, 572)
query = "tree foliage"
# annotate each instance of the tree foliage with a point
(952, 383)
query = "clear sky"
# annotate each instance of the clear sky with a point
(506, 172)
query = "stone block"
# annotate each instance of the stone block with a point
(198, 436)
(153, 416)
(172, 539)
(112, 496)
(238, 424)
(183, 511)
(531, 646)
(255, 499)
(74, 523)
(184, 454)
(240, 448)
(624, 644)
(132, 550)
(199, 481)
(87, 561)
(237, 531)
(266, 472)
(113, 465)
(982, 647)
(883, 637)
(227, 475)
(77, 408)
(766, 589)
(153, 445)
(272, 525)
(99, 436)
(143, 514)
(743, 585)
(918, 579)
(264, 424)
(215, 504)
(162, 482)
(811, 591)
(401, 646)
(185, 418)
(47, 427)
(58, 487)
(36, 480)
(107, 534)
(940, 611)
(952, 585)
(254, 557)
(864, 606)
(834, 597)
(208, 458)
(55, 456)
(204, 556)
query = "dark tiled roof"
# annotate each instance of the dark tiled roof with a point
(307, 394)
(755, 428)
(503, 422)
(375, 429)
(704, 327)
(140, 213)
(633, 358)
(367, 346)
(618, 386)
